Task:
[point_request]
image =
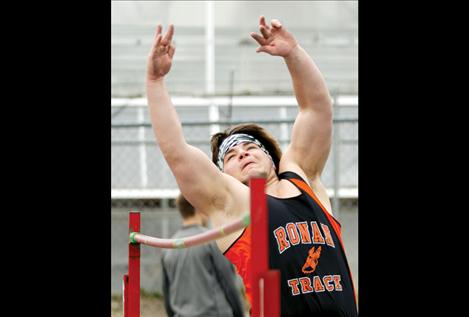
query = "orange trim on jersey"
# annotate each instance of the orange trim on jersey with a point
(308, 189)
(239, 254)
(335, 224)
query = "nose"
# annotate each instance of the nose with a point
(243, 154)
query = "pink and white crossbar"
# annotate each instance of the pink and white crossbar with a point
(265, 282)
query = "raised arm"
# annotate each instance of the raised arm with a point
(312, 130)
(204, 186)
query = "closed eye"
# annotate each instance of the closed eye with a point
(229, 155)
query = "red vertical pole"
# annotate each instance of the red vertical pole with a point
(271, 295)
(133, 293)
(265, 283)
(259, 243)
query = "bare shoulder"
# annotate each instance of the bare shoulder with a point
(236, 204)
(284, 188)
(237, 200)
(287, 165)
(314, 182)
(321, 193)
(218, 220)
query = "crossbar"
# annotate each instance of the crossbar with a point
(265, 282)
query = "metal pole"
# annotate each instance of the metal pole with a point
(283, 128)
(142, 150)
(230, 104)
(209, 49)
(133, 292)
(336, 162)
(265, 283)
(210, 65)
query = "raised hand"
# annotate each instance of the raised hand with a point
(161, 54)
(275, 40)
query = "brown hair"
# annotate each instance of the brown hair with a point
(185, 208)
(256, 131)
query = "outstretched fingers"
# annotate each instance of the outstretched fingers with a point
(265, 32)
(162, 44)
(158, 36)
(258, 38)
(169, 35)
(159, 29)
(263, 27)
(171, 50)
(157, 47)
(276, 23)
(269, 35)
(262, 21)
(158, 40)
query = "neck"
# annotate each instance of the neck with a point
(270, 182)
(192, 221)
(271, 179)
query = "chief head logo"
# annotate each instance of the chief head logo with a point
(312, 260)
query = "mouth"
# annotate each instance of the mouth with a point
(246, 165)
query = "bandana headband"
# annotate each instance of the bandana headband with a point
(234, 140)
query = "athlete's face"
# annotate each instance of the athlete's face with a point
(247, 160)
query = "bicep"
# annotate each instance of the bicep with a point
(199, 180)
(310, 142)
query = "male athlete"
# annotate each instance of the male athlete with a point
(305, 240)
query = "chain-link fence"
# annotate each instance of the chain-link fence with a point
(141, 179)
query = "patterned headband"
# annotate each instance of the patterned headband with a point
(234, 140)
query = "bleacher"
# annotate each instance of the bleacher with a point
(238, 68)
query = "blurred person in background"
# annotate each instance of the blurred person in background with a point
(304, 237)
(198, 281)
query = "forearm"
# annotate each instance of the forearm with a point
(308, 83)
(165, 121)
(199, 185)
